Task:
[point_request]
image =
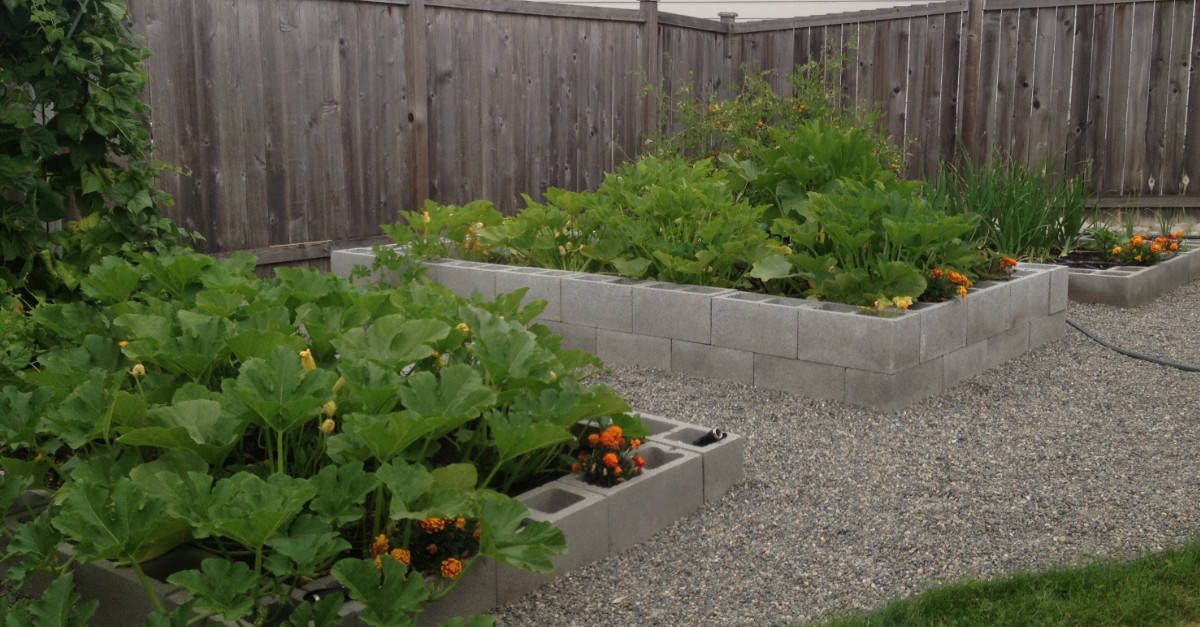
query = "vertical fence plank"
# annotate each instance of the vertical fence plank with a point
(919, 65)
(1113, 176)
(1190, 179)
(1177, 112)
(1059, 109)
(1137, 116)
(987, 107)
(1157, 96)
(1042, 105)
(1023, 96)
(1081, 96)
(1005, 82)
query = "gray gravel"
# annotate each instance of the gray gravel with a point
(1058, 456)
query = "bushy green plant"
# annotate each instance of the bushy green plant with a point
(1025, 212)
(75, 149)
(284, 424)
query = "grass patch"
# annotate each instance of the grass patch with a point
(1157, 589)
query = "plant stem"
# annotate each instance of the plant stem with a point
(279, 450)
(137, 568)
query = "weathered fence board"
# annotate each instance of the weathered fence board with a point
(314, 120)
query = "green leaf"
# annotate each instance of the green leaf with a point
(370, 388)
(112, 280)
(460, 476)
(323, 613)
(57, 607)
(635, 268)
(120, 523)
(197, 425)
(280, 392)
(261, 343)
(772, 267)
(252, 510)
(341, 491)
(484, 620)
(36, 544)
(389, 599)
(309, 546)
(510, 539)
(456, 396)
(382, 436)
(516, 434)
(82, 415)
(19, 413)
(409, 484)
(221, 586)
(392, 341)
(72, 320)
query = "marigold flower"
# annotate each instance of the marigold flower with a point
(575, 467)
(463, 328)
(635, 443)
(593, 439)
(611, 460)
(1161, 240)
(962, 291)
(1178, 233)
(460, 523)
(380, 545)
(476, 535)
(878, 305)
(617, 471)
(904, 302)
(123, 343)
(1137, 258)
(936, 273)
(432, 525)
(451, 568)
(1137, 240)
(611, 437)
(1174, 246)
(639, 461)
(1117, 250)
(1007, 262)
(402, 556)
(306, 359)
(1156, 248)
(138, 371)
(582, 455)
(432, 548)
(327, 426)
(329, 409)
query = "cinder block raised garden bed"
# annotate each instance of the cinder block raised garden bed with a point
(678, 479)
(817, 349)
(1130, 286)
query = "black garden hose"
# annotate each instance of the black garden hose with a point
(1129, 353)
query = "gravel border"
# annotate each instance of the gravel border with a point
(1060, 455)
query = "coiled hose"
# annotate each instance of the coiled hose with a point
(1129, 353)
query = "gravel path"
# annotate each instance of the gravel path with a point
(1064, 454)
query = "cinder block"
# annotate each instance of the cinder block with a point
(943, 327)
(682, 312)
(123, 600)
(342, 262)
(616, 347)
(467, 278)
(748, 322)
(1193, 257)
(671, 487)
(845, 336)
(583, 518)
(723, 461)
(658, 425)
(989, 310)
(598, 301)
(1007, 345)
(1030, 295)
(963, 363)
(475, 594)
(1047, 329)
(893, 391)
(1090, 286)
(800, 377)
(1059, 280)
(575, 336)
(541, 286)
(714, 362)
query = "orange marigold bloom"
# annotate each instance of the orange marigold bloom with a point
(380, 545)
(476, 534)
(1174, 246)
(962, 291)
(432, 525)
(432, 548)
(617, 471)
(611, 460)
(1156, 248)
(639, 461)
(611, 437)
(1117, 250)
(936, 273)
(1137, 240)
(575, 467)
(1007, 262)
(1161, 240)
(451, 568)
(635, 443)
(593, 438)
(123, 343)
(1178, 233)
(460, 523)
(402, 556)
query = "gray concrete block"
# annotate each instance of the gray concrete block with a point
(1030, 296)
(342, 262)
(659, 425)
(1007, 345)
(1047, 329)
(840, 335)
(714, 362)
(598, 301)
(671, 487)
(467, 278)
(541, 286)
(723, 461)
(989, 310)
(575, 336)
(800, 377)
(943, 327)
(583, 518)
(630, 349)
(749, 322)
(1059, 281)
(893, 391)
(963, 363)
(682, 312)
(123, 600)
(474, 594)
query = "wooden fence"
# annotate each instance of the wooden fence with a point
(305, 122)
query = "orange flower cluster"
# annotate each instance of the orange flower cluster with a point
(1142, 250)
(445, 547)
(611, 437)
(607, 457)
(1008, 262)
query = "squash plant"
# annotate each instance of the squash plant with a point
(282, 425)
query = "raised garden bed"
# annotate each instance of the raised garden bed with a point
(1130, 286)
(817, 349)
(678, 478)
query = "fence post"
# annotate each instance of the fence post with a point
(653, 66)
(726, 87)
(970, 105)
(418, 104)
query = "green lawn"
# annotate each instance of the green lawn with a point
(1158, 589)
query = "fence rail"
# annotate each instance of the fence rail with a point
(318, 120)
